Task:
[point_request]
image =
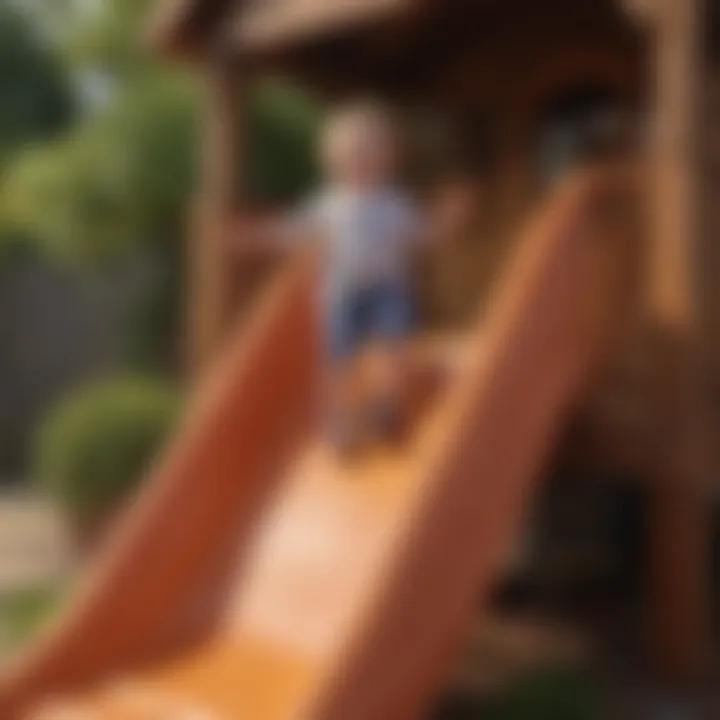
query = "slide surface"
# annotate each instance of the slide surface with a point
(258, 577)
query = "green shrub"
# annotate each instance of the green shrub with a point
(94, 446)
(550, 695)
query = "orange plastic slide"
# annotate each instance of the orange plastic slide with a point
(258, 578)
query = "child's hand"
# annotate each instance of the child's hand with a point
(254, 234)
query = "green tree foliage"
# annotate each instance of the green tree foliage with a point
(120, 182)
(282, 128)
(100, 35)
(35, 92)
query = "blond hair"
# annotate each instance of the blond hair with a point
(360, 117)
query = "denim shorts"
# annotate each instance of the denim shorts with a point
(383, 313)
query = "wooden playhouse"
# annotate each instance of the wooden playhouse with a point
(510, 81)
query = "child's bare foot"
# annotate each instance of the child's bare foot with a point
(344, 435)
(388, 421)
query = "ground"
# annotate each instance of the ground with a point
(35, 561)
(34, 547)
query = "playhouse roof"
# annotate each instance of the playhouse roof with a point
(400, 48)
(257, 25)
(269, 22)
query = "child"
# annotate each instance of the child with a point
(370, 228)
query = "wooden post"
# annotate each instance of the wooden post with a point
(680, 562)
(514, 175)
(210, 270)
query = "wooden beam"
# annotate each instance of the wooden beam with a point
(680, 563)
(209, 272)
(263, 26)
(182, 27)
(643, 11)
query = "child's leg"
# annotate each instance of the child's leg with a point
(392, 323)
(388, 384)
(342, 400)
(342, 386)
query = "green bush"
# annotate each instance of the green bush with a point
(94, 446)
(550, 695)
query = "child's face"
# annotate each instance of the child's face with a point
(360, 154)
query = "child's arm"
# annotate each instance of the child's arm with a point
(271, 233)
(260, 235)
